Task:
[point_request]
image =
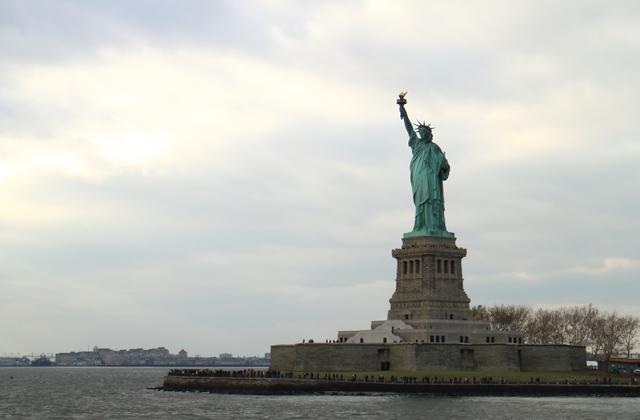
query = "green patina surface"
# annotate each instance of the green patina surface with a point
(429, 168)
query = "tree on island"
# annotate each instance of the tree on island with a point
(605, 334)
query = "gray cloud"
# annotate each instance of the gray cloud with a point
(291, 230)
(61, 30)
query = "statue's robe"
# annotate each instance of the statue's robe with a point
(429, 167)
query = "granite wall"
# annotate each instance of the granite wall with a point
(553, 357)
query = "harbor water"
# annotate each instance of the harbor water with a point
(98, 392)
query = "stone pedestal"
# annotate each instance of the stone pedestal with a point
(429, 282)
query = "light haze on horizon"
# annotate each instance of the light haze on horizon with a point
(222, 176)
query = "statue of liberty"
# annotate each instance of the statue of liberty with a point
(429, 167)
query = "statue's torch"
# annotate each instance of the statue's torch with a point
(401, 101)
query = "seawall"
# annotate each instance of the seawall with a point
(305, 386)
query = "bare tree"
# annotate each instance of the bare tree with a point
(503, 317)
(509, 318)
(608, 334)
(541, 327)
(480, 313)
(559, 333)
(595, 340)
(604, 334)
(580, 320)
(630, 332)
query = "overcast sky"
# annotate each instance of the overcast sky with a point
(222, 176)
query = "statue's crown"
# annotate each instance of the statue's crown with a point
(424, 126)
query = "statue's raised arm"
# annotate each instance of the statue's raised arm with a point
(403, 113)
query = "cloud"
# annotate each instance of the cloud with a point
(61, 31)
(244, 163)
(608, 265)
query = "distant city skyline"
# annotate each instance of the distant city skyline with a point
(160, 356)
(92, 348)
(223, 176)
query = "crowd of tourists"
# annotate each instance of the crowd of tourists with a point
(393, 379)
(484, 380)
(228, 373)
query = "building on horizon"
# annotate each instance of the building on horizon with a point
(159, 356)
